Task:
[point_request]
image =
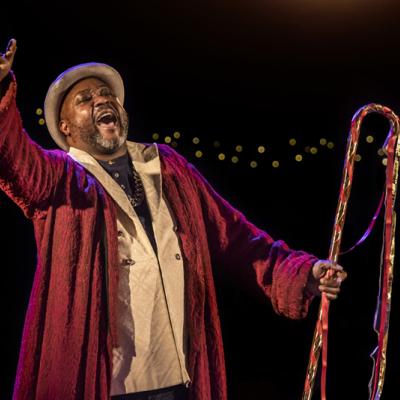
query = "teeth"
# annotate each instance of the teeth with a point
(108, 116)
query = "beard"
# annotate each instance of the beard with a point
(95, 139)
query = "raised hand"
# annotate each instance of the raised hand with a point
(6, 59)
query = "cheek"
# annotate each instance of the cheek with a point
(83, 119)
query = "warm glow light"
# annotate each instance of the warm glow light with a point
(155, 136)
(330, 145)
(357, 157)
(174, 144)
(196, 140)
(322, 141)
(239, 148)
(384, 162)
(313, 150)
(369, 139)
(298, 157)
(39, 111)
(167, 139)
(217, 144)
(275, 164)
(41, 121)
(292, 142)
(261, 149)
(199, 154)
(253, 164)
(235, 159)
(221, 156)
(381, 152)
(177, 135)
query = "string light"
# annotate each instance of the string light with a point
(298, 157)
(275, 164)
(261, 149)
(253, 164)
(369, 139)
(357, 157)
(239, 148)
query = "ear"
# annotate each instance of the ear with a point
(64, 128)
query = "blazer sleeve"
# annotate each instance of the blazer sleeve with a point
(252, 256)
(28, 173)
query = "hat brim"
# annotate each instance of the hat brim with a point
(59, 88)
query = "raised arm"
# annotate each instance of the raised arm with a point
(28, 173)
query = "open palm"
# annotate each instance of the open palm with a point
(6, 59)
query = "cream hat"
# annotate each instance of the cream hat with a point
(59, 88)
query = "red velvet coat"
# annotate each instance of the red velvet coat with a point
(70, 322)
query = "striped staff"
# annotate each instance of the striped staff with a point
(382, 312)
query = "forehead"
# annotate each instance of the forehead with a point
(85, 84)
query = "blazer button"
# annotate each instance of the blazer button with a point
(177, 256)
(129, 261)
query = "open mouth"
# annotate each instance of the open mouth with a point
(107, 118)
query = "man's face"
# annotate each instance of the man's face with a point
(92, 119)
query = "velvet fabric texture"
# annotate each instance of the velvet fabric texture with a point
(70, 326)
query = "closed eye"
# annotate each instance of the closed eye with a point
(106, 92)
(83, 98)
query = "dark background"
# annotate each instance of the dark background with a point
(249, 73)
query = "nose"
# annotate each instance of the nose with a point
(100, 100)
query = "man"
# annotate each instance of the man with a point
(123, 302)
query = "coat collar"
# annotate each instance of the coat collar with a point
(146, 161)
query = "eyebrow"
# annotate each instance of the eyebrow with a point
(85, 91)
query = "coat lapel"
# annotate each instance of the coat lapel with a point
(147, 163)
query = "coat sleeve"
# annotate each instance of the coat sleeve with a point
(251, 256)
(28, 173)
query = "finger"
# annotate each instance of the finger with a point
(336, 267)
(342, 275)
(331, 296)
(12, 45)
(328, 289)
(11, 49)
(333, 282)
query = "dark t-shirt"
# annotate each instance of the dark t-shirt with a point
(121, 170)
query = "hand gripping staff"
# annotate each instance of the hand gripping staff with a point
(382, 312)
